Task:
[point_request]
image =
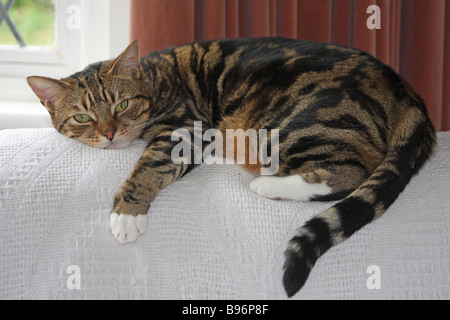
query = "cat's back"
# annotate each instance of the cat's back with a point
(280, 63)
(299, 68)
(277, 50)
(258, 53)
(276, 63)
(227, 75)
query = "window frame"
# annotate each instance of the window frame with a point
(18, 62)
(99, 37)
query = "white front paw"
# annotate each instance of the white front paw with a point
(126, 227)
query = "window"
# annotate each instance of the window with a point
(48, 55)
(74, 34)
(27, 22)
(81, 32)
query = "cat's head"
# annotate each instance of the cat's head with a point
(106, 105)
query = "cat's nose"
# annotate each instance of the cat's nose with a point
(109, 134)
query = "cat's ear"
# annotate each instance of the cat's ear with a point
(127, 64)
(48, 90)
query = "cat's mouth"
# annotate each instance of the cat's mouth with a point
(116, 145)
(113, 146)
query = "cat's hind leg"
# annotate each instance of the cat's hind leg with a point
(298, 187)
(333, 183)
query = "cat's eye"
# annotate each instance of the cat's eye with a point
(82, 118)
(121, 106)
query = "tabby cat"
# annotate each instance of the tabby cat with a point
(349, 127)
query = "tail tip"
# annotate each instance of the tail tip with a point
(296, 271)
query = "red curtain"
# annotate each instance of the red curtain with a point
(414, 38)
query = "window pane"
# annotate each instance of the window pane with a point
(34, 21)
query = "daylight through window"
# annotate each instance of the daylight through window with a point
(27, 23)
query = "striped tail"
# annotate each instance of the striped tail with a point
(411, 144)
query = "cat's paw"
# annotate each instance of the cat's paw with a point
(126, 227)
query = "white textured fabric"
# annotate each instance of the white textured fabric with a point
(208, 235)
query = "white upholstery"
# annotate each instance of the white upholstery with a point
(208, 235)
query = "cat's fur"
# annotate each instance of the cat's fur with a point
(349, 127)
